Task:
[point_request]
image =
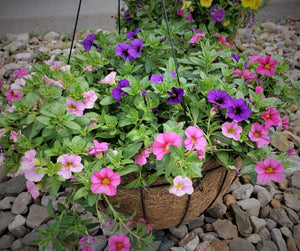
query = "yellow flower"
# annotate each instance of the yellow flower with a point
(226, 23)
(252, 4)
(186, 4)
(206, 3)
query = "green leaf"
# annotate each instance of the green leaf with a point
(50, 210)
(92, 199)
(108, 100)
(129, 169)
(81, 193)
(71, 124)
(224, 157)
(132, 150)
(29, 119)
(149, 65)
(43, 119)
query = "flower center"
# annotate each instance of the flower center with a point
(267, 66)
(119, 245)
(256, 134)
(268, 116)
(72, 107)
(166, 147)
(174, 95)
(219, 101)
(179, 186)
(106, 181)
(192, 139)
(125, 53)
(69, 164)
(230, 130)
(269, 170)
(237, 111)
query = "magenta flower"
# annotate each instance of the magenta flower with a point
(190, 19)
(89, 99)
(222, 39)
(13, 94)
(85, 242)
(266, 65)
(245, 75)
(110, 78)
(180, 12)
(259, 134)
(201, 153)
(195, 38)
(49, 62)
(29, 165)
(195, 138)
(98, 148)
(271, 117)
(290, 151)
(232, 130)
(182, 186)
(162, 144)
(239, 110)
(175, 95)
(119, 243)
(105, 181)
(268, 170)
(75, 107)
(20, 73)
(284, 123)
(14, 135)
(70, 163)
(33, 189)
(141, 158)
(149, 227)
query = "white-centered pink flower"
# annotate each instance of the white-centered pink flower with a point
(110, 78)
(70, 163)
(182, 186)
(65, 68)
(232, 130)
(75, 107)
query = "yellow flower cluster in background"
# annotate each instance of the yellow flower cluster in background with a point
(206, 3)
(252, 4)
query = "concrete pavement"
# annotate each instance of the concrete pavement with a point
(39, 16)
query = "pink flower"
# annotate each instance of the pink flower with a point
(284, 123)
(33, 189)
(13, 94)
(195, 138)
(110, 78)
(48, 62)
(98, 148)
(70, 163)
(271, 117)
(162, 144)
(182, 186)
(268, 170)
(50, 81)
(18, 84)
(222, 39)
(20, 73)
(88, 68)
(105, 181)
(29, 166)
(149, 227)
(259, 134)
(201, 153)
(180, 12)
(245, 75)
(14, 135)
(56, 65)
(119, 243)
(86, 240)
(266, 65)
(190, 18)
(254, 58)
(232, 130)
(75, 107)
(89, 99)
(87, 248)
(65, 68)
(195, 38)
(141, 158)
(291, 151)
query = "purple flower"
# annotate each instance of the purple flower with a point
(117, 91)
(217, 15)
(158, 79)
(163, 39)
(220, 98)
(121, 50)
(239, 111)
(131, 34)
(127, 15)
(135, 48)
(175, 95)
(236, 57)
(88, 42)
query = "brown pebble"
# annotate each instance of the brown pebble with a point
(229, 199)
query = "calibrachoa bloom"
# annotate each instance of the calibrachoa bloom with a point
(206, 3)
(20, 73)
(259, 134)
(220, 98)
(217, 15)
(232, 130)
(132, 34)
(105, 181)
(269, 169)
(110, 78)
(149, 227)
(14, 135)
(195, 139)
(70, 163)
(180, 12)
(271, 117)
(245, 75)
(117, 92)
(222, 39)
(284, 123)
(121, 50)
(266, 65)
(56, 65)
(29, 166)
(89, 99)
(98, 148)
(135, 48)
(119, 243)
(13, 94)
(195, 38)
(85, 242)
(158, 79)
(175, 95)
(162, 144)
(141, 158)
(89, 41)
(182, 186)
(236, 57)
(75, 107)
(33, 189)
(238, 110)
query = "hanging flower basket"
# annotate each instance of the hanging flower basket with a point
(163, 210)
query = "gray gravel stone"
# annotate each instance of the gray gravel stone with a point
(278, 239)
(7, 203)
(243, 192)
(14, 186)
(21, 202)
(37, 216)
(5, 219)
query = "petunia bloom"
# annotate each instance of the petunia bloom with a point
(135, 48)
(70, 163)
(162, 144)
(222, 39)
(141, 158)
(266, 65)
(238, 110)
(195, 139)
(20, 73)
(89, 99)
(14, 135)
(175, 95)
(268, 170)
(89, 41)
(236, 57)
(182, 186)
(220, 98)
(110, 78)
(98, 148)
(180, 12)
(195, 38)
(117, 92)
(149, 227)
(132, 34)
(232, 130)
(75, 107)
(284, 123)
(271, 117)
(13, 94)
(158, 79)
(259, 134)
(246, 75)
(119, 243)
(33, 189)
(29, 166)
(121, 50)
(105, 181)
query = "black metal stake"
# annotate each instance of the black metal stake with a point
(119, 16)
